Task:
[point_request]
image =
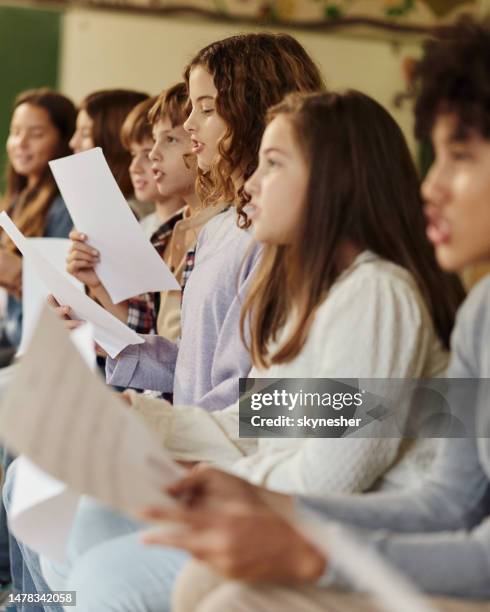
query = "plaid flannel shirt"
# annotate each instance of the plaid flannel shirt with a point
(143, 309)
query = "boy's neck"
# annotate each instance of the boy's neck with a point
(168, 207)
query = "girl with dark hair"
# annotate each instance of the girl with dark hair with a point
(347, 287)
(99, 121)
(42, 124)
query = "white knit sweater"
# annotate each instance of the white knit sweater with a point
(373, 324)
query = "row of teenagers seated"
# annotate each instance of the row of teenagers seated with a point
(314, 259)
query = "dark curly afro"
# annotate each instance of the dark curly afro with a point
(454, 76)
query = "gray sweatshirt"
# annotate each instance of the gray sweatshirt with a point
(203, 370)
(439, 532)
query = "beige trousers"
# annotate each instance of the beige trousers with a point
(198, 589)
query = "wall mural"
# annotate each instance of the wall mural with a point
(411, 16)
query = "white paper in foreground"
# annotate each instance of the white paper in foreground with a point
(34, 291)
(67, 421)
(364, 567)
(42, 509)
(129, 264)
(110, 333)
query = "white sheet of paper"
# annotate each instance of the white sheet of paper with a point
(129, 264)
(42, 508)
(363, 566)
(67, 421)
(110, 333)
(34, 291)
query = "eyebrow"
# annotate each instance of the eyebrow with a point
(31, 127)
(204, 98)
(275, 150)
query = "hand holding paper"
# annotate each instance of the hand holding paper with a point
(129, 265)
(112, 335)
(65, 419)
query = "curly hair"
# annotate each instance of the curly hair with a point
(251, 72)
(453, 76)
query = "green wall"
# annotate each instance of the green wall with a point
(29, 52)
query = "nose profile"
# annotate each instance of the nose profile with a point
(154, 154)
(134, 167)
(251, 185)
(74, 141)
(433, 187)
(189, 123)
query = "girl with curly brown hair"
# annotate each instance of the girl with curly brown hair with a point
(231, 84)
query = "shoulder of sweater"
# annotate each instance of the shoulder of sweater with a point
(371, 291)
(57, 203)
(57, 209)
(224, 222)
(221, 233)
(476, 304)
(470, 335)
(376, 275)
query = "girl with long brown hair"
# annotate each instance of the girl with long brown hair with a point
(42, 124)
(347, 287)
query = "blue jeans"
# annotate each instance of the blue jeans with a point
(110, 569)
(22, 579)
(5, 575)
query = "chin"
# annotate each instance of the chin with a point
(203, 165)
(451, 260)
(21, 170)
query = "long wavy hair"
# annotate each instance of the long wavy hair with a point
(251, 72)
(363, 188)
(32, 204)
(108, 109)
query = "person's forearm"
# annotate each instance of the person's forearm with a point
(120, 310)
(450, 563)
(451, 497)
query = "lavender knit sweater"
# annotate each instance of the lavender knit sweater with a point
(204, 368)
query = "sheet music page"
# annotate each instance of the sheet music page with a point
(110, 333)
(34, 291)
(129, 264)
(69, 423)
